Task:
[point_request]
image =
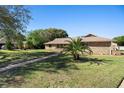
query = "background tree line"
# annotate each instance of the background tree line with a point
(119, 40)
(13, 23)
(37, 38)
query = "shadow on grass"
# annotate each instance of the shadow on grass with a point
(51, 65)
(20, 57)
(92, 60)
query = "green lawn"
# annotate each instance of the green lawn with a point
(63, 71)
(7, 57)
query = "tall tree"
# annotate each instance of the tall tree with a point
(18, 39)
(119, 40)
(37, 38)
(56, 33)
(13, 20)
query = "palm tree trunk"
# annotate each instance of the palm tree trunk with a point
(76, 56)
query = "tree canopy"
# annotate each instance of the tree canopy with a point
(14, 18)
(13, 21)
(119, 40)
(37, 38)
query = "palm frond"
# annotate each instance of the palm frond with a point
(76, 46)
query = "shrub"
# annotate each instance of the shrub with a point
(9, 45)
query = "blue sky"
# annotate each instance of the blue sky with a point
(105, 21)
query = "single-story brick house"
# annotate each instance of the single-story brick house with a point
(99, 45)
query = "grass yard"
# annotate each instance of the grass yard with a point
(14, 56)
(63, 71)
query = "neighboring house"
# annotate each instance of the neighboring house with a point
(2, 42)
(99, 45)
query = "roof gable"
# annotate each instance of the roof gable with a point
(59, 41)
(94, 38)
(90, 35)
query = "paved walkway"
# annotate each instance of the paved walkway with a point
(11, 66)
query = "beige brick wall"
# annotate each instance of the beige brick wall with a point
(101, 50)
(99, 44)
(52, 47)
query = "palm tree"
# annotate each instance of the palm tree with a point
(76, 47)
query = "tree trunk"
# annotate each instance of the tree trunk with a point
(76, 56)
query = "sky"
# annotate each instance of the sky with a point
(105, 21)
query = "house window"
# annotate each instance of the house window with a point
(60, 46)
(50, 45)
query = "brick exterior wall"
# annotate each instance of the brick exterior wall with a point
(98, 48)
(101, 50)
(99, 44)
(50, 47)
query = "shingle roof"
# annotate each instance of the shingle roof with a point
(93, 38)
(87, 38)
(59, 41)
